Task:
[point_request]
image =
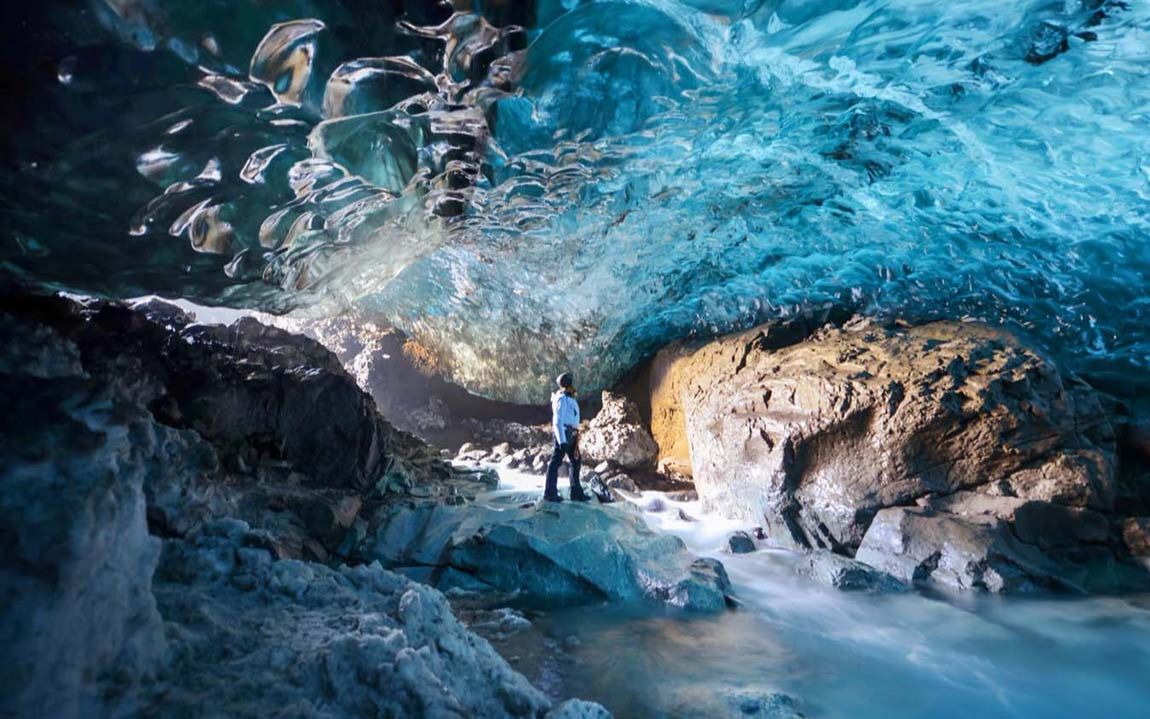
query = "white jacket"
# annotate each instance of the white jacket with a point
(564, 413)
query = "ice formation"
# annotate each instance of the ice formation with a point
(523, 186)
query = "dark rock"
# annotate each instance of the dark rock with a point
(819, 437)
(623, 482)
(740, 543)
(617, 434)
(655, 505)
(601, 491)
(847, 574)
(265, 425)
(1044, 41)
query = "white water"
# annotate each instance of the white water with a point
(847, 655)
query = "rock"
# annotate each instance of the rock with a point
(683, 495)
(466, 450)
(1136, 534)
(475, 455)
(501, 450)
(623, 482)
(604, 467)
(740, 543)
(733, 703)
(1044, 41)
(847, 574)
(617, 434)
(363, 638)
(983, 552)
(655, 505)
(328, 521)
(817, 438)
(265, 425)
(407, 382)
(570, 553)
(601, 491)
(119, 420)
(763, 705)
(77, 620)
(540, 462)
(509, 461)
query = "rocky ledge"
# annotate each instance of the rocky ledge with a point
(162, 490)
(947, 454)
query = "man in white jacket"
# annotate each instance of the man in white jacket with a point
(565, 428)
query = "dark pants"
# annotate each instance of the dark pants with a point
(572, 453)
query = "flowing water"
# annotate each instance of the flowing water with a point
(840, 654)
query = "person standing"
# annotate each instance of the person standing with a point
(565, 427)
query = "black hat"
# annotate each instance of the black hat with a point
(565, 380)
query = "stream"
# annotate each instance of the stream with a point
(838, 654)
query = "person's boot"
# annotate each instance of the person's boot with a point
(578, 495)
(552, 498)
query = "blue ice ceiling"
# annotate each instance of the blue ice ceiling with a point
(573, 184)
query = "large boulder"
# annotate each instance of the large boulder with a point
(617, 434)
(999, 544)
(569, 553)
(815, 438)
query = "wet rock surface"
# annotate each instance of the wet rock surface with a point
(570, 553)
(740, 543)
(820, 437)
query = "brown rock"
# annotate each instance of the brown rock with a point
(1136, 534)
(617, 434)
(817, 437)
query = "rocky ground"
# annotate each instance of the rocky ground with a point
(180, 508)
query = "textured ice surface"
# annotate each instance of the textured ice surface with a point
(615, 175)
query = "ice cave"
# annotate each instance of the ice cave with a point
(575, 359)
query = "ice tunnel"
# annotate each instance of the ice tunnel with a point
(527, 186)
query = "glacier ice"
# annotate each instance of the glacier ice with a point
(573, 183)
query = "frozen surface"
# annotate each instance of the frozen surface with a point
(613, 176)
